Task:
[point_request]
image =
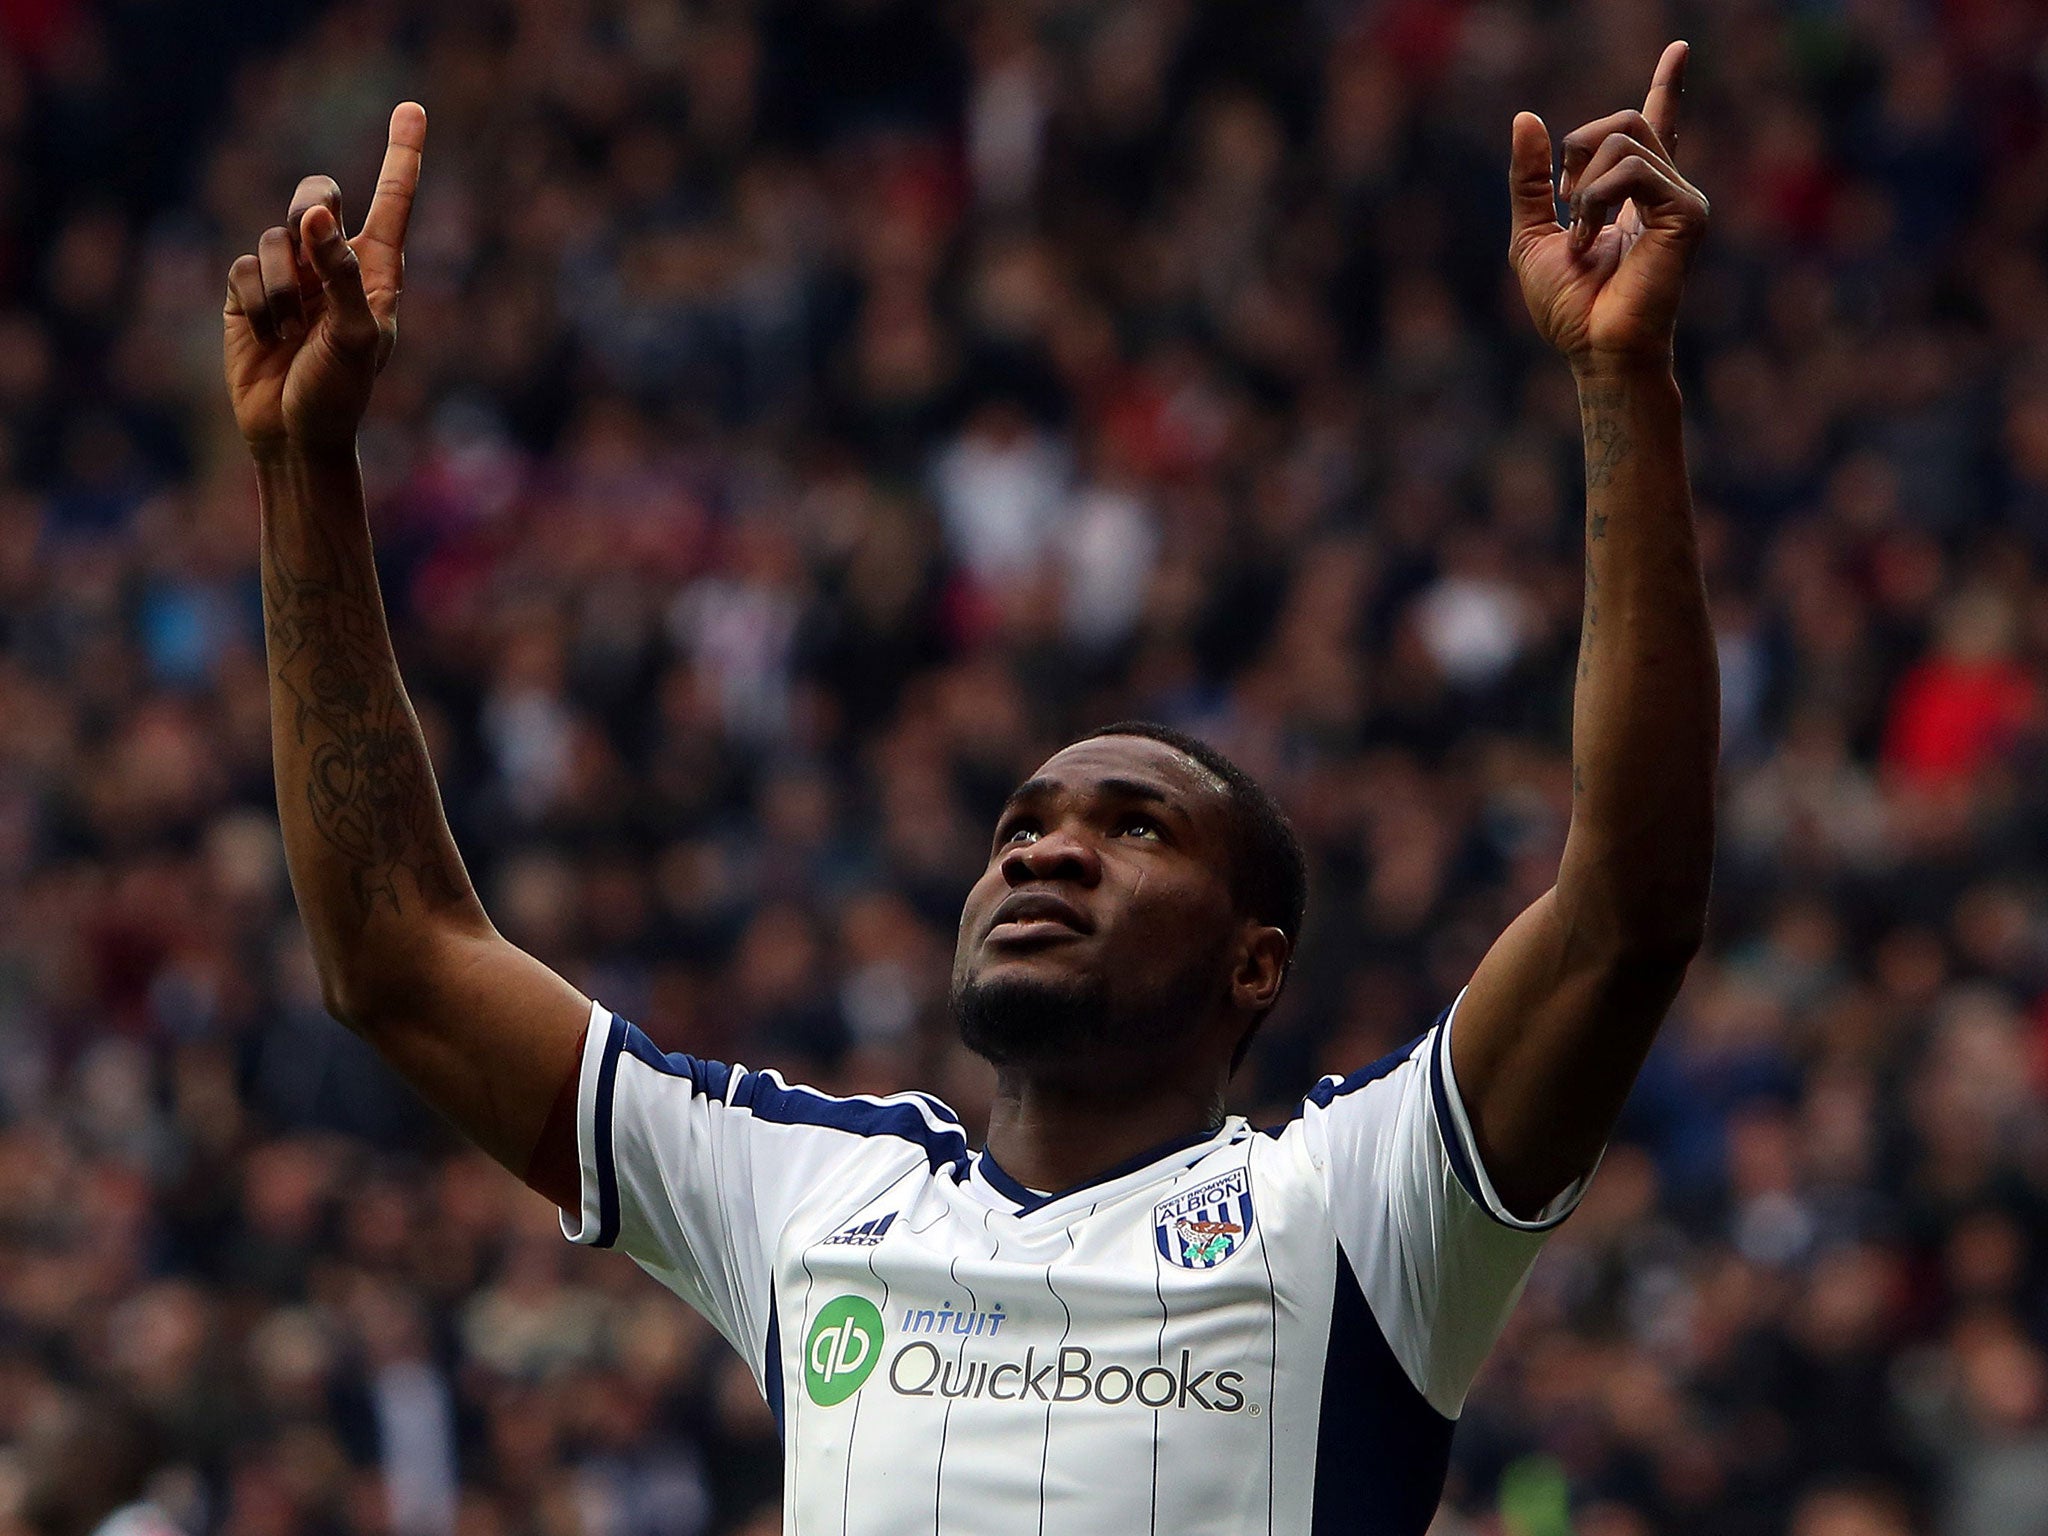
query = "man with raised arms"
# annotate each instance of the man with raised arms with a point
(1127, 1311)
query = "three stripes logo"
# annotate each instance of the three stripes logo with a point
(1202, 1227)
(862, 1235)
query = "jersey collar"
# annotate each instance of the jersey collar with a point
(1024, 1200)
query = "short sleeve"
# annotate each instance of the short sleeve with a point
(1440, 1259)
(695, 1168)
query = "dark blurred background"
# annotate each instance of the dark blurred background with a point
(807, 414)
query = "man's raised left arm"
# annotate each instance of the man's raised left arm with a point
(1563, 1009)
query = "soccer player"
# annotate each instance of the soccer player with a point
(1126, 1312)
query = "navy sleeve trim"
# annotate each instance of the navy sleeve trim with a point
(1455, 1128)
(765, 1096)
(607, 1166)
(1447, 1126)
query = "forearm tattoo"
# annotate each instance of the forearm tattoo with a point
(1608, 444)
(1608, 447)
(369, 785)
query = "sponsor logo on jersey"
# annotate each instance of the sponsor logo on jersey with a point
(1201, 1227)
(864, 1234)
(945, 1319)
(840, 1354)
(848, 1340)
(1069, 1374)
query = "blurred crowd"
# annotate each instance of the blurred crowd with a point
(805, 415)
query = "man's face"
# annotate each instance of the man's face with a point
(1103, 927)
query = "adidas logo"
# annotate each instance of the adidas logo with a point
(865, 1235)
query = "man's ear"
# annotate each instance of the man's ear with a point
(1261, 968)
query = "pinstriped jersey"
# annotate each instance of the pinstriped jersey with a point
(1250, 1331)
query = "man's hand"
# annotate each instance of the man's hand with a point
(312, 317)
(1608, 294)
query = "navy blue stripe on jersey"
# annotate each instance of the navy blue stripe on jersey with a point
(772, 1101)
(767, 1098)
(1028, 1200)
(1332, 1088)
(712, 1078)
(607, 1170)
(1381, 1450)
(771, 1371)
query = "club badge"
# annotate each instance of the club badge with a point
(1203, 1226)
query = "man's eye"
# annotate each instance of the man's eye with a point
(1138, 826)
(1022, 833)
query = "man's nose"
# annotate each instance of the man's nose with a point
(1057, 855)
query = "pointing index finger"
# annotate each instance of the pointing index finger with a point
(1668, 85)
(391, 207)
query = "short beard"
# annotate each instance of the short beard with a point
(1075, 1027)
(1024, 1023)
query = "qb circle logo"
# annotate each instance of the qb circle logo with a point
(844, 1345)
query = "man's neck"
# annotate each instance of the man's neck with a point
(1051, 1136)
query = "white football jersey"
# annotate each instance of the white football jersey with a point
(1254, 1330)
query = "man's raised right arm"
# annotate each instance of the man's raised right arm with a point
(483, 1031)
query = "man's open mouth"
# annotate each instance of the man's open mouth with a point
(1030, 914)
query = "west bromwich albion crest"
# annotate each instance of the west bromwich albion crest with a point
(1201, 1227)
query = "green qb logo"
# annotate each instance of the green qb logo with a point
(844, 1345)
